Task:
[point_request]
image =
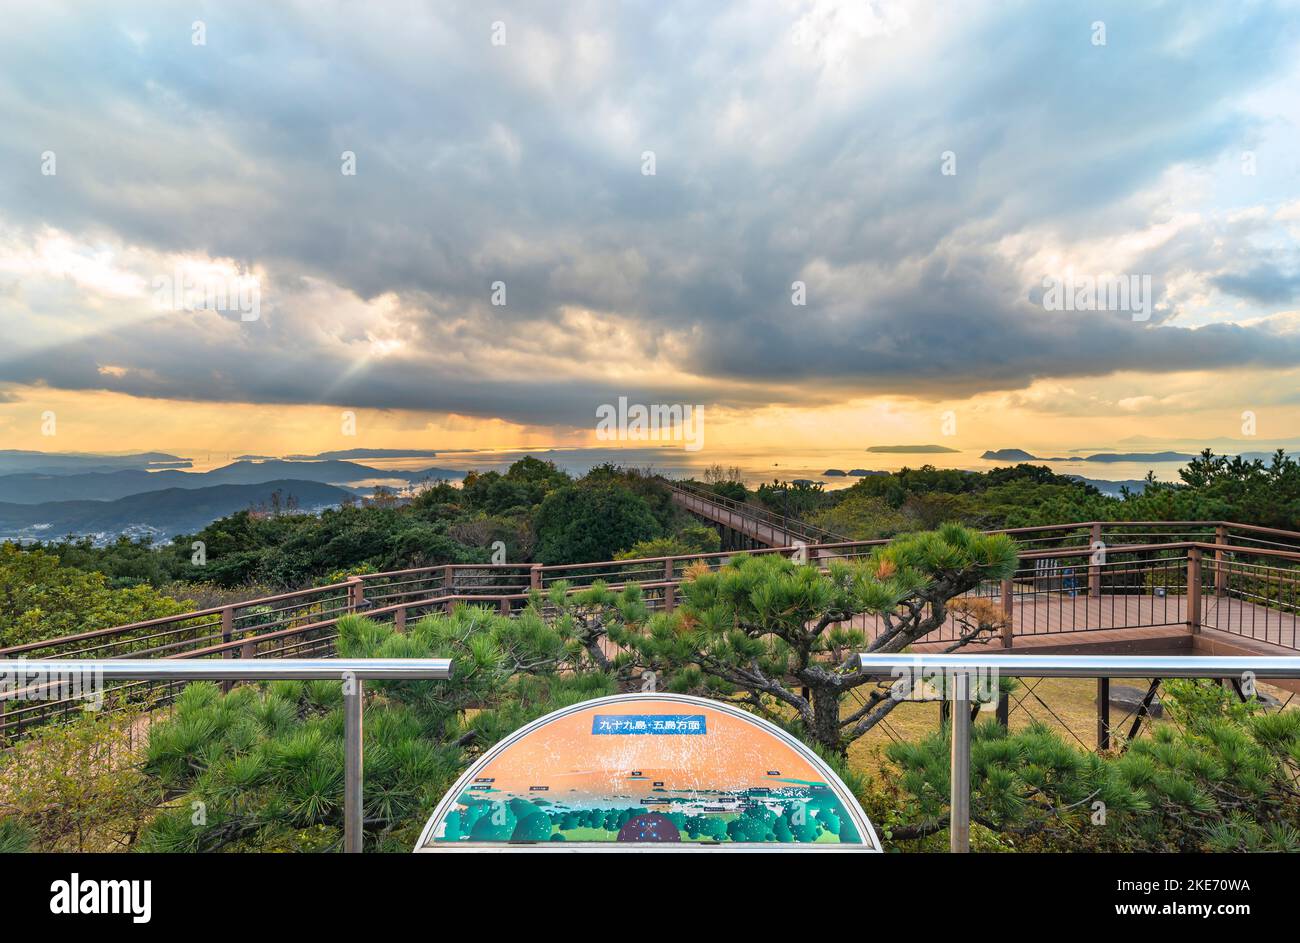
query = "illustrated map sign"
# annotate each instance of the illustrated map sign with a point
(638, 770)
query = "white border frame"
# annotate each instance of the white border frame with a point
(870, 842)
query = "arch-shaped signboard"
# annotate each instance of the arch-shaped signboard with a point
(649, 772)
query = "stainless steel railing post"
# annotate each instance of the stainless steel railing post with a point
(962, 667)
(21, 679)
(959, 797)
(353, 759)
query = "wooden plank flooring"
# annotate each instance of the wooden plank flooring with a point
(1043, 615)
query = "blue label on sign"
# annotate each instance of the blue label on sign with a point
(633, 724)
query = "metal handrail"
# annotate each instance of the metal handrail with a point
(352, 672)
(1274, 667)
(961, 668)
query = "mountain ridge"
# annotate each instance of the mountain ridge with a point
(40, 488)
(166, 512)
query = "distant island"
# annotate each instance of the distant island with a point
(1009, 455)
(856, 473)
(1112, 489)
(60, 463)
(1020, 455)
(1141, 457)
(911, 449)
(365, 453)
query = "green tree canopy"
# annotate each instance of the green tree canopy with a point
(40, 599)
(587, 522)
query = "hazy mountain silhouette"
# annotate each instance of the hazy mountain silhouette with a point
(167, 512)
(63, 463)
(35, 487)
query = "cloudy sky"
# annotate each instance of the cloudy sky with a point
(919, 167)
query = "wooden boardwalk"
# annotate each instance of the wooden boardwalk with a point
(1059, 619)
(767, 533)
(760, 527)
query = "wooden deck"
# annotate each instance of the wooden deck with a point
(1043, 615)
(1130, 625)
(1061, 619)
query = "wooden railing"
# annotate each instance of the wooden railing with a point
(778, 530)
(1163, 579)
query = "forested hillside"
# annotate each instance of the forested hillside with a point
(534, 511)
(1211, 487)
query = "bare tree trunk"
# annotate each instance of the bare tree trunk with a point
(592, 644)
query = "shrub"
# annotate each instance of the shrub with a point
(76, 787)
(40, 599)
(261, 768)
(1221, 779)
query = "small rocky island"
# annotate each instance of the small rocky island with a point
(911, 449)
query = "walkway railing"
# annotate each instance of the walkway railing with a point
(964, 670)
(22, 680)
(1074, 577)
(32, 679)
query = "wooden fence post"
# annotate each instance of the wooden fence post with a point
(1194, 589)
(1220, 575)
(1094, 571)
(1008, 611)
(535, 576)
(670, 591)
(356, 593)
(1007, 591)
(227, 633)
(399, 620)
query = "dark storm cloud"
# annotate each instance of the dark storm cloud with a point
(1264, 283)
(522, 164)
